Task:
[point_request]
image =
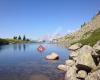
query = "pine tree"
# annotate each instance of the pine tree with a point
(19, 38)
(24, 38)
(98, 13)
(27, 39)
(15, 37)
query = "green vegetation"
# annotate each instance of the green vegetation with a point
(92, 39)
(3, 41)
(15, 40)
(24, 38)
(20, 38)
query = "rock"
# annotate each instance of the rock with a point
(75, 46)
(62, 67)
(85, 59)
(52, 56)
(99, 63)
(69, 62)
(87, 49)
(82, 74)
(97, 46)
(71, 73)
(94, 76)
(74, 54)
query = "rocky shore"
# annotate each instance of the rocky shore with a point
(83, 63)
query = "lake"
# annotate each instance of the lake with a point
(25, 62)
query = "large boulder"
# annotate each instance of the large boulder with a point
(85, 59)
(94, 75)
(69, 63)
(81, 74)
(71, 73)
(62, 67)
(75, 46)
(74, 55)
(52, 56)
(87, 49)
(97, 47)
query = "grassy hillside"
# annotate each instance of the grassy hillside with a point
(89, 33)
(92, 39)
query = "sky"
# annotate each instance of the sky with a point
(38, 19)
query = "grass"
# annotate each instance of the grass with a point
(16, 41)
(7, 41)
(3, 41)
(92, 39)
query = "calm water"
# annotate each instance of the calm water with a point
(24, 62)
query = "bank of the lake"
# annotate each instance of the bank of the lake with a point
(3, 41)
(13, 41)
(83, 63)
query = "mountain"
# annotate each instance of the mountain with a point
(89, 33)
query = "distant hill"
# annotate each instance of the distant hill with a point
(89, 33)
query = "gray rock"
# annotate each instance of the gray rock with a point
(97, 46)
(69, 63)
(86, 60)
(62, 67)
(71, 73)
(94, 76)
(87, 49)
(85, 57)
(52, 56)
(74, 54)
(82, 74)
(75, 46)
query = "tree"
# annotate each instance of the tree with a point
(19, 38)
(24, 38)
(98, 13)
(15, 37)
(27, 39)
(83, 25)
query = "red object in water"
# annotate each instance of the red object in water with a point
(40, 48)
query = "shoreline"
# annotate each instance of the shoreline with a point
(12, 41)
(83, 62)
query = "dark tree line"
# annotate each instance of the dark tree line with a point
(98, 13)
(83, 24)
(21, 38)
(92, 18)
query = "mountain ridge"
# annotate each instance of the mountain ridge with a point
(84, 32)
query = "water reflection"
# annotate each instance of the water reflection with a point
(3, 47)
(0, 48)
(24, 62)
(24, 47)
(19, 47)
